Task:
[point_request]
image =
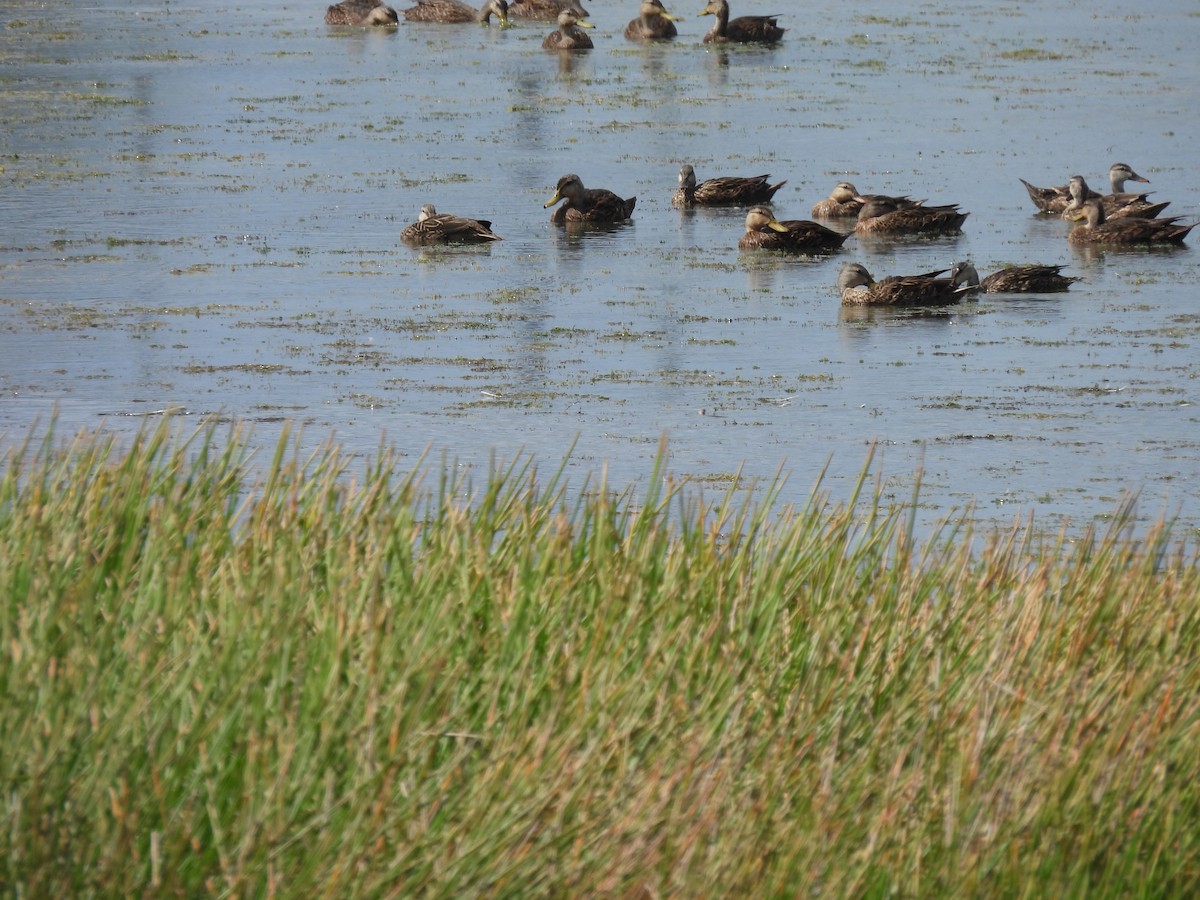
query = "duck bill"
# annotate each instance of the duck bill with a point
(775, 226)
(582, 24)
(549, 203)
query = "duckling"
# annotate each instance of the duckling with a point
(724, 189)
(568, 36)
(454, 12)
(1117, 205)
(546, 10)
(433, 227)
(595, 205)
(1097, 229)
(361, 12)
(899, 215)
(1036, 279)
(743, 29)
(653, 23)
(843, 202)
(859, 288)
(765, 232)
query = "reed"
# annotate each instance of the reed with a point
(290, 678)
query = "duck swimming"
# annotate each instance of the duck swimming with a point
(569, 35)
(454, 12)
(724, 189)
(361, 12)
(843, 202)
(859, 288)
(1054, 200)
(899, 215)
(1117, 205)
(1127, 232)
(765, 232)
(653, 23)
(743, 29)
(580, 204)
(546, 10)
(433, 227)
(1032, 279)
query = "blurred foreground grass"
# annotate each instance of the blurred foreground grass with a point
(285, 679)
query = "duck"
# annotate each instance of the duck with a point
(568, 35)
(1054, 200)
(1025, 279)
(859, 288)
(899, 215)
(433, 227)
(743, 29)
(594, 205)
(653, 23)
(361, 12)
(545, 10)
(1117, 205)
(843, 202)
(1098, 229)
(724, 189)
(765, 232)
(453, 12)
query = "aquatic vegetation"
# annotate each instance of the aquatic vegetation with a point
(307, 674)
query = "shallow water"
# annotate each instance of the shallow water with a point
(201, 206)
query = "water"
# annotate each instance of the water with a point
(201, 206)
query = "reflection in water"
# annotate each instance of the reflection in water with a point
(717, 58)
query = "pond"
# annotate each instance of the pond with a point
(201, 207)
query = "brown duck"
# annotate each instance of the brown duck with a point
(1098, 229)
(843, 202)
(1118, 204)
(361, 12)
(454, 12)
(859, 288)
(723, 190)
(899, 215)
(743, 29)
(594, 205)
(765, 232)
(546, 10)
(433, 227)
(653, 23)
(570, 34)
(1027, 279)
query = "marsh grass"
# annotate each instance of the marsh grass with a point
(285, 678)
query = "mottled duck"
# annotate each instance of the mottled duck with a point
(723, 190)
(594, 205)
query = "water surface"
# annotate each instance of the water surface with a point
(201, 206)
